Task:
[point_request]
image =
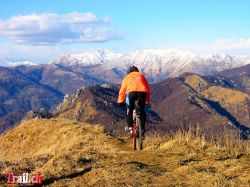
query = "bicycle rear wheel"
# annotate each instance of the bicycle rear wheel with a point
(134, 142)
(139, 134)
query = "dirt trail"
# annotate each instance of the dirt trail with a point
(126, 153)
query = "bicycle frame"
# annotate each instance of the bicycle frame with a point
(137, 131)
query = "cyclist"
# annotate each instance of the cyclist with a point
(134, 87)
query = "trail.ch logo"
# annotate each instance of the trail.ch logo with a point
(25, 178)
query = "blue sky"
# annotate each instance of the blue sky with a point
(209, 26)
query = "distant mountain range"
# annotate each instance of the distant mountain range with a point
(31, 87)
(156, 64)
(103, 66)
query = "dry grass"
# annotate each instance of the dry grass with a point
(196, 82)
(222, 95)
(82, 155)
(225, 96)
(38, 137)
(54, 147)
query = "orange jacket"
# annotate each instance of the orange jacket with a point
(134, 81)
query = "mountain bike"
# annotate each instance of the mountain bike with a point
(137, 130)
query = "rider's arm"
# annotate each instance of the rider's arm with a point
(148, 91)
(122, 92)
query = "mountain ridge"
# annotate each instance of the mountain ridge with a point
(69, 153)
(176, 103)
(56, 79)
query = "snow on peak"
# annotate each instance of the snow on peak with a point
(154, 61)
(87, 58)
(18, 62)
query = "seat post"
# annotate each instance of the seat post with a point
(137, 109)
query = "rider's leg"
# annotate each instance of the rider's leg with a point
(141, 103)
(130, 108)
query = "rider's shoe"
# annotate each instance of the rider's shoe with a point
(130, 132)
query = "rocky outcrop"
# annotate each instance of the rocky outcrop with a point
(69, 100)
(42, 113)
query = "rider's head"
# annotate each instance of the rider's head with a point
(133, 69)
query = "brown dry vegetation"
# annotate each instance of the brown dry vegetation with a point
(219, 94)
(226, 96)
(195, 81)
(72, 154)
(235, 102)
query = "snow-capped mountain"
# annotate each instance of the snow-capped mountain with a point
(88, 58)
(18, 63)
(12, 62)
(157, 64)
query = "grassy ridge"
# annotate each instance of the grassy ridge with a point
(69, 154)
